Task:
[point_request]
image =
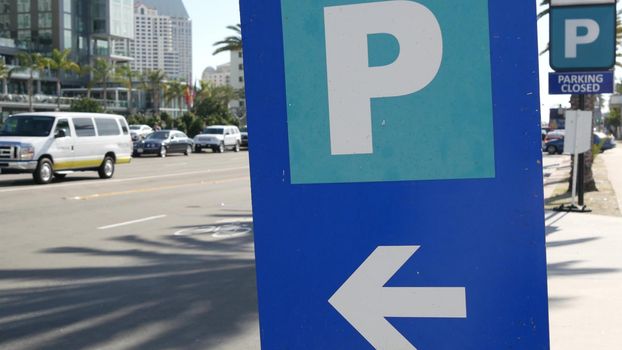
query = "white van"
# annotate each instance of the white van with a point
(55, 144)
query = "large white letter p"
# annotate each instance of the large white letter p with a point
(352, 83)
(573, 39)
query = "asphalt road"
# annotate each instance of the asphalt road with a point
(159, 257)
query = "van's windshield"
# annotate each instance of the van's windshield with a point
(27, 126)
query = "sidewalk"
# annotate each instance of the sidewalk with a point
(584, 254)
(613, 164)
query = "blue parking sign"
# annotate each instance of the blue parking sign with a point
(396, 174)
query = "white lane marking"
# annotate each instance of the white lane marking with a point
(231, 229)
(154, 189)
(131, 222)
(99, 182)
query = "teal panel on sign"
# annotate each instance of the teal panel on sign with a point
(442, 131)
(583, 37)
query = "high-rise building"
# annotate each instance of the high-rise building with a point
(86, 27)
(163, 38)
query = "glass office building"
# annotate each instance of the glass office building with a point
(86, 27)
(89, 28)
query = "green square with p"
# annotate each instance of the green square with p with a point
(388, 90)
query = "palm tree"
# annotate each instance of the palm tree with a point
(176, 91)
(5, 71)
(153, 82)
(126, 76)
(212, 102)
(230, 43)
(31, 63)
(102, 73)
(60, 62)
(85, 71)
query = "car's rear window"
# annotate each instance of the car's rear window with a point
(214, 131)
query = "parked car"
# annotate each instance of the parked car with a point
(556, 145)
(165, 142)
(140, 131)
(605, 141)
(555, 134)
(55, 144)
(244, 136)
(219, 138)
(136, 144)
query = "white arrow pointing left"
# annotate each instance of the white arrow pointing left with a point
(364, 301)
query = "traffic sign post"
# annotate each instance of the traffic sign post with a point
(578, 140)
(582, 38)
(396, 174)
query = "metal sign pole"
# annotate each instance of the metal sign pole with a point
(574, 178)
(581, 164)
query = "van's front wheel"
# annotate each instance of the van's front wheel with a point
(44, 172)
(106, 170)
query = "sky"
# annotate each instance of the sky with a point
(211, 17)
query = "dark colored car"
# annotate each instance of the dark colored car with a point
(554, 146)
(163, 143)
(244, 134)
(606, 142)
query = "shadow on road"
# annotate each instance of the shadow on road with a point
(182, 292)
(26, 180)
(569, 268)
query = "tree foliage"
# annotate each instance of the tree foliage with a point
(87, 105)
(126, 76)
(152, 81)
(31, 63)
(59, 62)
(212, 104)
(103, 73)
(232, 42)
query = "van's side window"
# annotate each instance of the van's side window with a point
(107, 127)
(124, 127)
(84, 127)
(63, 124)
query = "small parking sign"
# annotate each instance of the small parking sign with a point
(583, 37)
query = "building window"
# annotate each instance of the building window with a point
(24, 34)
(44, 5)
(67, 19)
(68, 39)
(23, 5)
(67, 5)
(241, 79)
(23, 21)
(45, 20)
